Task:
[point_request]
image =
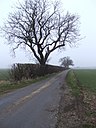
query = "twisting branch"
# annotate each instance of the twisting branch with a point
(40, 25)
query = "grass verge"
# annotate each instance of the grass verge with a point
(79, 87)
(72, 82)
(7, 86)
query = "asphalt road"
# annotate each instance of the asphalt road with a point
(34, 106)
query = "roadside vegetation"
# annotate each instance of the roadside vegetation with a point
(7, 85)
(83, 86)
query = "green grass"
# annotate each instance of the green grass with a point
(7, 86)
(4, 74)
(72, 82)
(87, 78)
(85, 81)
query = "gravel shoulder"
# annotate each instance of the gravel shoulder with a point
(68, 114)
(76, 111)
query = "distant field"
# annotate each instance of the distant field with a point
(4, 74)
(87, 78)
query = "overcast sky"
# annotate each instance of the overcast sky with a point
(83, 55)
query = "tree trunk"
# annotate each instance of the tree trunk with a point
(42, 71)
(42, 62)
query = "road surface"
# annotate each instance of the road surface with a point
(34, 106)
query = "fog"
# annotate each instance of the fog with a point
(83, 54)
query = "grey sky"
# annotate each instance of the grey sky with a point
(83, 55)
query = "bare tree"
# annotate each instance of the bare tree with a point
(66, 62)
(41, 27)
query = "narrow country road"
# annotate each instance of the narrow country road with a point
(34, 106)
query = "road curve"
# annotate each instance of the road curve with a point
(34, 106)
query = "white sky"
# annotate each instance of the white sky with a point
(84, 55)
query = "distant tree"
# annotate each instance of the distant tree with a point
(41, 27)
(66, 62)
